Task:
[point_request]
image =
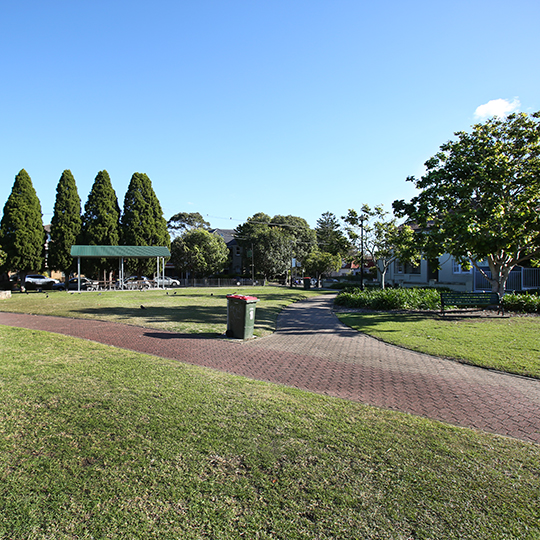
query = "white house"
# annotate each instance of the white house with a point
(452, 275)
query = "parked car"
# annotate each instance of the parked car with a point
(167, 282)
(73, 285)
(37, 281)
(137, 282)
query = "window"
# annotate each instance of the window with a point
(458, 269)
(407, 268)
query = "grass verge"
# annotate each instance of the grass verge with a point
(508, 344)
(200, 311)
(101, 443)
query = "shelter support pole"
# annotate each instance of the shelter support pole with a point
(78, 274)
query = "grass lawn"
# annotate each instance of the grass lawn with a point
(97, 442)
(510, 344)
(186, 310)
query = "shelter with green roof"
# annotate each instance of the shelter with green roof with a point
(121, 253)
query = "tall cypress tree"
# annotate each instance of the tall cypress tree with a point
(22, 235)
(101, 221)
(65, 224)
(142, 221)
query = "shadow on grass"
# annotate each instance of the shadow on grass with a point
(204, 316)
(151, 314)
(367, 321)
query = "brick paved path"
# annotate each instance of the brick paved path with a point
(312, 350)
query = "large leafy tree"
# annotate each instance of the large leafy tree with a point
(275, 241)
(330, 236)
(321, 262)
(480, 197)
(199, 252)
(142, 222)
(382, 238)
(302, 238)
(65, 224)
(186, 221)
(22, 236)
(101, 221)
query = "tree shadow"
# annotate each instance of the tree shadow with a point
(181, 335)
(265, 318)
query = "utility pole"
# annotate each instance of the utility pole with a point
(252, 266)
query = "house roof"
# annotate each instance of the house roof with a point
(227, 235)
(127, 252)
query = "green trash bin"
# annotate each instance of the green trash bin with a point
(307, 283)
(240, 316)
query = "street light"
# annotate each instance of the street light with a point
(362, 217)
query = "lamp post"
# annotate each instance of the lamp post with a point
(362, 217)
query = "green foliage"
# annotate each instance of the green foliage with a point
(330, 237)
(199, 252)
(321, 262)
(480, 197)
(142, 222)
(382, 238)
(273, 243)
(420, 299)
(186, 221)
(105, 443)
(521, 303)
(302, 239)
(100, 222)
(387, 299)
(22, 236)
(65, 224)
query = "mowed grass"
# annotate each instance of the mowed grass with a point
(97, 442)
(510, 344)
(201, 311)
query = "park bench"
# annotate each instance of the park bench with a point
(463, 299)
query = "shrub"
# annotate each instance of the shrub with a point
(522, 303)
(378, 299)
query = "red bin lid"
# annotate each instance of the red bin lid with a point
(242, 297)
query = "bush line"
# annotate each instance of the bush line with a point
(422, 299)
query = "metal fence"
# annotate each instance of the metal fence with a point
(215, 282)
(520, 279)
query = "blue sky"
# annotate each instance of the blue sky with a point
(238, 107)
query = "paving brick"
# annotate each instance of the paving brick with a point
(313, 351)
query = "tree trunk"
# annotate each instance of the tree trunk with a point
(383, 276)
(500, 271)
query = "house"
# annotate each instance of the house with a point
(235, 251)
(353, 269)
(452, 275)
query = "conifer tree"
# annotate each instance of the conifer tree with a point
(142, 222)
(22, 235)
(101, 221)
(65, 224)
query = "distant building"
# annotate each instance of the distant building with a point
(235, 251)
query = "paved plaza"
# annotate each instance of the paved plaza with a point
(313, 351)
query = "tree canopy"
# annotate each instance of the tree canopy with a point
(275, 241)
(65, 224)
(384, 240)
(186, 221)
(22, 235)
(480, 197)
(330, 236)
(199, 252)
(321, 262)
(142, 222)
(101, 221)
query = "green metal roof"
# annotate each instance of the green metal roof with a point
(127, 252)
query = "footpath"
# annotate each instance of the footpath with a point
(313, 351)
